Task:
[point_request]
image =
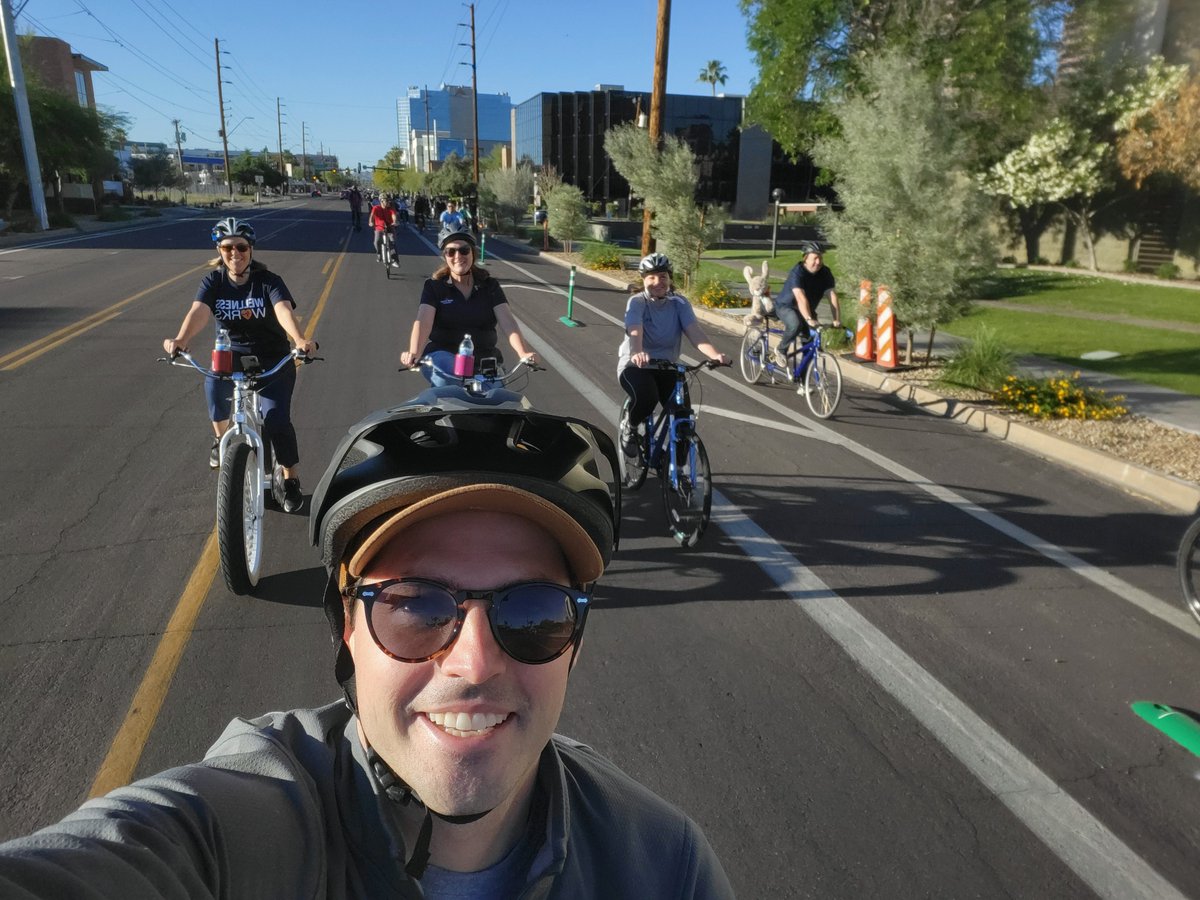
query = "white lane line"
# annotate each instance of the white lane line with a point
(1171, 613)
(1101, 859)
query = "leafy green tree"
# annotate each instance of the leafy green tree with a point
(666, 178)
(505, 195)
(567, 210)
(389, 171)
(713, 73)
(244, 169)
(913, 219)
(156, 173)
(812, 53)
(454, 178)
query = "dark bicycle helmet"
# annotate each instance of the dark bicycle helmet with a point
(232, 227)
(455, 234)
(811, 247)
(450, 451)
(655, 262)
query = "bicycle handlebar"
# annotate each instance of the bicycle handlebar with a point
(304, 358)
(496, 379)
(684, 368)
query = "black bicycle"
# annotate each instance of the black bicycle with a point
(670, 445)
(1188, 563)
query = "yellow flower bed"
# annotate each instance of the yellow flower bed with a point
(1058, 397)
(715, 295)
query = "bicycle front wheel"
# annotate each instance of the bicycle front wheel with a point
(823, 383)
(1188, 562)
(688, 499)
(633, 467)
(752, 351)
(240, 518)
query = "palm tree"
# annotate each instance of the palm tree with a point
(714, 74)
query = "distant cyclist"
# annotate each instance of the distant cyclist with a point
(656, 319)
(383, 220)
(451, 219)
(807, 282)
(255, 307)
(355, 198)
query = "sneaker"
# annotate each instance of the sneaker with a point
(214, 455)
(395, 264)
(802, 390)
(292, 498)
(781, 359)
(629, 443)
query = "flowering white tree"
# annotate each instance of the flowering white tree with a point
(1069, 164)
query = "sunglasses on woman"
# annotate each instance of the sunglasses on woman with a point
(229, 248)
(414, 620)
(457, 250)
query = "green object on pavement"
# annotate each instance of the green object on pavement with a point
(567, 319)
(1179, 725)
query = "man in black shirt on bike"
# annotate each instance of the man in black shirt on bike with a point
(796, 305)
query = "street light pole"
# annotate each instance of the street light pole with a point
(16, 78)
(658, 98)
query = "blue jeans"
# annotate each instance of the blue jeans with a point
(793, 325)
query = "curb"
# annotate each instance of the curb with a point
(1167, 490)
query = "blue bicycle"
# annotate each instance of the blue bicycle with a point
(670, 445)
(816, 369)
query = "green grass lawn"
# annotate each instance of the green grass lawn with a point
(1159, 356)
(1092, 294)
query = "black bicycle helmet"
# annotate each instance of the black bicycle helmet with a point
(445, 451)
(655, 262)
(232, 227)
(811, 247)
(455, 234)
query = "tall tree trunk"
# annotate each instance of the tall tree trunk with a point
(929, 346)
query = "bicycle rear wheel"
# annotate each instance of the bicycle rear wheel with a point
(633, 468)
(752, 350)
(240, 518)
(1188, 562)
(688, 501)
(823, 382)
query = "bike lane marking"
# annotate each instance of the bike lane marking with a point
(1098, 856)
(126, 748)
(1169, 613)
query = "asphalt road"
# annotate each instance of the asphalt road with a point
(899, 664)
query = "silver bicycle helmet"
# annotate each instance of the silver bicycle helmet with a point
(455, 234)
(232, 227)
(655, 262)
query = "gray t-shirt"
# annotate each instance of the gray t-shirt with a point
(662, 323)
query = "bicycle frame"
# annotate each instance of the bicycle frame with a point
(808, 352)
(664, 433)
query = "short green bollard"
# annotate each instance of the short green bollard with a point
(567, 319)
(482, 246)
(1176, 724)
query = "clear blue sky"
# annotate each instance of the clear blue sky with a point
(339, 67)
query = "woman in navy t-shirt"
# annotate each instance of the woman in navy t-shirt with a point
(255, 307)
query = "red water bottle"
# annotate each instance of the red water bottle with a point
(222, 354)
(464, 361)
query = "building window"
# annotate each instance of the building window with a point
(81, 89)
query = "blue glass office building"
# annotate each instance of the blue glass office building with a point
(445, 115)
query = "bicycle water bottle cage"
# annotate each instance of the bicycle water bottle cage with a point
(251, 366)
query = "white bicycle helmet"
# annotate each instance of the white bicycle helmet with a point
(232, 227)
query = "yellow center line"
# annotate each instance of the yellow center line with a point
(32, 351)
(126, 749)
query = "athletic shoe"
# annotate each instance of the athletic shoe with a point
(781, 359)
(802, 390)
(629, 443)
(292, 498)
(214, 455)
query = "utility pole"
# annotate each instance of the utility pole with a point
(658, 99)
(474, 101)
(304, 151)
(279, 126)
(221, 102)
(178, 144)
(16, 78)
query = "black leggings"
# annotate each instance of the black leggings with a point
(647, 388)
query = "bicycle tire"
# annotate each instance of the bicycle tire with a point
(240, 518)
(688, 503)
(823, 383)
(751, 359)
(633, 469)
(1188, 563)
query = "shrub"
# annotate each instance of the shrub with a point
(113, 214)
(1058, 397)
(1169, 271)
(836, 339)
(1009, 260)
(1129, 266)
(982, 363)
(151, 213)
(58, 219)
(602, 256)
(1072, 264)
(715, 295)
(1041, 261)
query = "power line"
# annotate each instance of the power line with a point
(159, 26)
(186, 21)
